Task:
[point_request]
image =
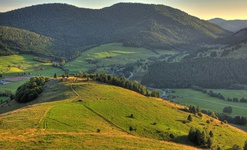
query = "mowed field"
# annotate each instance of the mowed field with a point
(90, 115)
(111, 55)
(192, 97)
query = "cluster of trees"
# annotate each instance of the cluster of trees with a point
(227, 109)
(217, 95)
(201, 138)
(239, 120)
(30, 90)
(197, 88)
(205, 73)
(122, 82)
(131, 85)
(235, 99)
(194, 109)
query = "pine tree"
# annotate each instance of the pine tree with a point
(189, 118)
(55, 75)
(211, 133)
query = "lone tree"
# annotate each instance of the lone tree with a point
(55, 75)
(189, 118)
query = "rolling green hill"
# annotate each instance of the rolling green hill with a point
(139, 25)
(89, 115)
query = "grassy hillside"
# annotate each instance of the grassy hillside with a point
(13, 40)
(72, 124)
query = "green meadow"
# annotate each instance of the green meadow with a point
(192, 97)
(18, 64)
(115, 54)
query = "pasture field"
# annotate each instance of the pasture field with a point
(68, 124)
(15, 65)
(60, 120)
(18, 64)
(231, 93)
(110, 55)
(12, 86)
(192, 97)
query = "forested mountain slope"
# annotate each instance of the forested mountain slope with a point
(141, 25)
(13, 40)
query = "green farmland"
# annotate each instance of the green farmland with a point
(192, 97)
(14, 64)
(110, 55)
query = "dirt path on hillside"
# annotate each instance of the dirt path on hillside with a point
(99, 115)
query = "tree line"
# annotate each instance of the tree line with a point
(239, 120)
(219, 95)
(30, 90)
(122, 82)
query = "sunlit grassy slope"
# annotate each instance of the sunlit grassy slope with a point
(14, 64)
(66, 123)
(111, 55)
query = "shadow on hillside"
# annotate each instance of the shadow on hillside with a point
(183, 140)
(183, 121)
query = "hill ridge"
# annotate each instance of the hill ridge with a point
(134, 24)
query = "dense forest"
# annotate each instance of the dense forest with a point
(139, 25)
(205, 73)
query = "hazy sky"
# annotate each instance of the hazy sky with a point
(205, 9)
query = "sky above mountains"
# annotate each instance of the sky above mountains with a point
(204, 9)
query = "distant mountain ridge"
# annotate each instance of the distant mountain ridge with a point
(230, 25)
(139, 25)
